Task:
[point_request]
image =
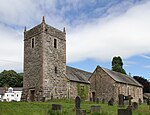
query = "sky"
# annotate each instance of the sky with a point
(97, 30)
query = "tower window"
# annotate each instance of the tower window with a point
(56, 70)
(55, 43)
(32, 42)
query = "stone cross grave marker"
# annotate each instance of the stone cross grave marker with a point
(130, 104)
(77, 102)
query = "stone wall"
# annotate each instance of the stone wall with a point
(102, 85)
(73, 89)
(55, 84)
(106, 88)
(33, 60)
(44, 65)
(126, 89)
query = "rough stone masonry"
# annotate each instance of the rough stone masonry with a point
(44, 63)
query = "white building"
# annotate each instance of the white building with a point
(13, 94)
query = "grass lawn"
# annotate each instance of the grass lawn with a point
(44, 108)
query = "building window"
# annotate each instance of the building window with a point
(55, 43)
(56, 70)
(32, 42)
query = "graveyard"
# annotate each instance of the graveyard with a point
(67, 107)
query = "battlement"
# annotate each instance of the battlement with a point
(44, 28)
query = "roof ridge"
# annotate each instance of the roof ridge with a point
(79, 69)
(130, 78)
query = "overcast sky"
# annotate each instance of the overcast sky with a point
(97, 30)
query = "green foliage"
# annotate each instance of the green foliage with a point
(144, 82)
(117, 65)
(11, 78)
(82, 91)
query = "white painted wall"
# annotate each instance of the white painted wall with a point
(11, 95)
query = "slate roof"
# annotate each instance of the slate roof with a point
(2, 90)
(77, 75)
(17, 88)
(147, 95)
(122, 78)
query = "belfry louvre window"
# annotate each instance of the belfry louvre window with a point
(32, 42)
(56, 70)
(55, 43)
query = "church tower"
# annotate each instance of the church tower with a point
(44, 63)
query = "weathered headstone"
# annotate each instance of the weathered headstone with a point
(57, 107)
(124, 111)
(51, 96)
(97, 100)
(94, 99)
(111, 102)
(43, 99)
(90, 98)
(80, 112)
(140, 101)
(103, 100)
(130, 104)
(95, 109)
(121, 99)
(134, 105)
(148, 101)
(77, 102)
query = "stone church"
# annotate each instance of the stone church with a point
(46, 75)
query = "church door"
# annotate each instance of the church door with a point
(32, 93)
(93, 96)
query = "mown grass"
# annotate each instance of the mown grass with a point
(44, 108)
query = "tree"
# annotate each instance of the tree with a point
(10, 78)
(144, 82)
(117, 65)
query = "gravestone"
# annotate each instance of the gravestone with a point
(121, 99)
(97, 100)
(140, 101)
(103, 100)
(124, 111)
(134, 105)
(148, 101)
(51, 96)
(90, 98)
(111, 102)
(77, 102)
(80, 112)
(43, 99)
(130, 104)
(95, 109)
(57, 107)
